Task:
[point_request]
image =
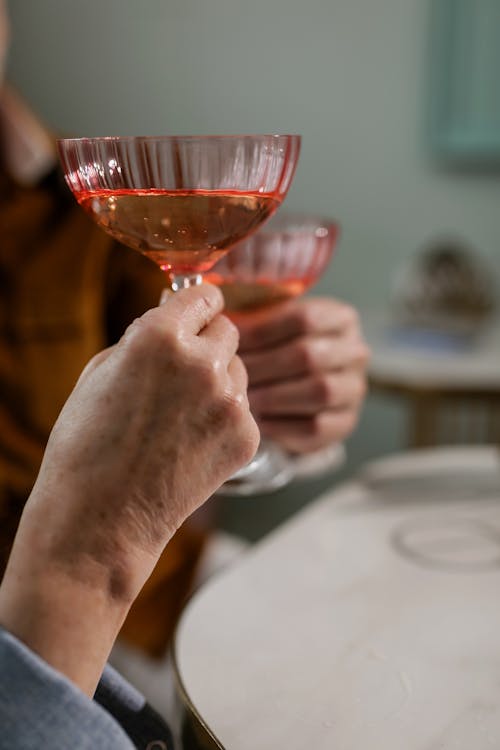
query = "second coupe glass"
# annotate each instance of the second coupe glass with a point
(282, 260)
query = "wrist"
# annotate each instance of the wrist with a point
(93, 550)
(69, 615)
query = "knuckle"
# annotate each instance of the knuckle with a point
(303, 319)
(324, 390)
(249, 440)
(142, 337)
(212, 295)
(201, 308)
(135, 328)
(201, 303)
(206, 304)
(305, 354)
(205, 296)
(347, 317)
(233, 408)
(210, 373)
(230, 331)
(314, 426)
(221, 415)
(309, 318)
(244, 433)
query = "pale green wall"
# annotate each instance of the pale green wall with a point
(349, 75)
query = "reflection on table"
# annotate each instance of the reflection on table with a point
(449, 381)
(370, 620)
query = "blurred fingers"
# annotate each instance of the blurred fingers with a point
(303, 355)
(311, 315)
(302, 435)
(309, 395)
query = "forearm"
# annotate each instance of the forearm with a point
(70, 620)
(153, 427)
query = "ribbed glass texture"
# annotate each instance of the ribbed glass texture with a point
(288, 248)
(249, 163)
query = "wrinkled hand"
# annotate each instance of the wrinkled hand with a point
(153, 427)
(306, 361)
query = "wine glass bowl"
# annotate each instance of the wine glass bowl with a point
(183, 201)
(282, 260)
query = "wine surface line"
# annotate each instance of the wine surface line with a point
(186, 231)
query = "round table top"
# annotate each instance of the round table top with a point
(371, 619)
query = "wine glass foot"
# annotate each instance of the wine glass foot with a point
(269, 470)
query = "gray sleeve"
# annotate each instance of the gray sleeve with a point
(40, 708)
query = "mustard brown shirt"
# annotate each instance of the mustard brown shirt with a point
(67, 290)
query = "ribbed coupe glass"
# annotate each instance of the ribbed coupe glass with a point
(282, 260)
(183, 201)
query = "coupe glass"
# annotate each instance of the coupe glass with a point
(282, 260)
(182, 201)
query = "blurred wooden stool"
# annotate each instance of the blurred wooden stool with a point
(452, 394)
(438, 416)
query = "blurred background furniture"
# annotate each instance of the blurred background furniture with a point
(369, 620)
(438, 346)
(452, 393)
(369, 161)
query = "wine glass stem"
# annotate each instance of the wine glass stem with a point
(184, 281)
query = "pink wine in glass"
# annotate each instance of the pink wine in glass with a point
(187, 230)
(282, 260)
(183, 201)
(244, 297)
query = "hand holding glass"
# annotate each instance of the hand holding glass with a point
(282, 260)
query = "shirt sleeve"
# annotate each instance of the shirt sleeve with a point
(145, 727)
(40, 708)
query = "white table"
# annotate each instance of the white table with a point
(371, 620)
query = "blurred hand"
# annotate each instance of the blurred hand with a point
(306, 361)
(153, 427)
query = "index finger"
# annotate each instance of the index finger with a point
(276, 325)
(193, 308)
